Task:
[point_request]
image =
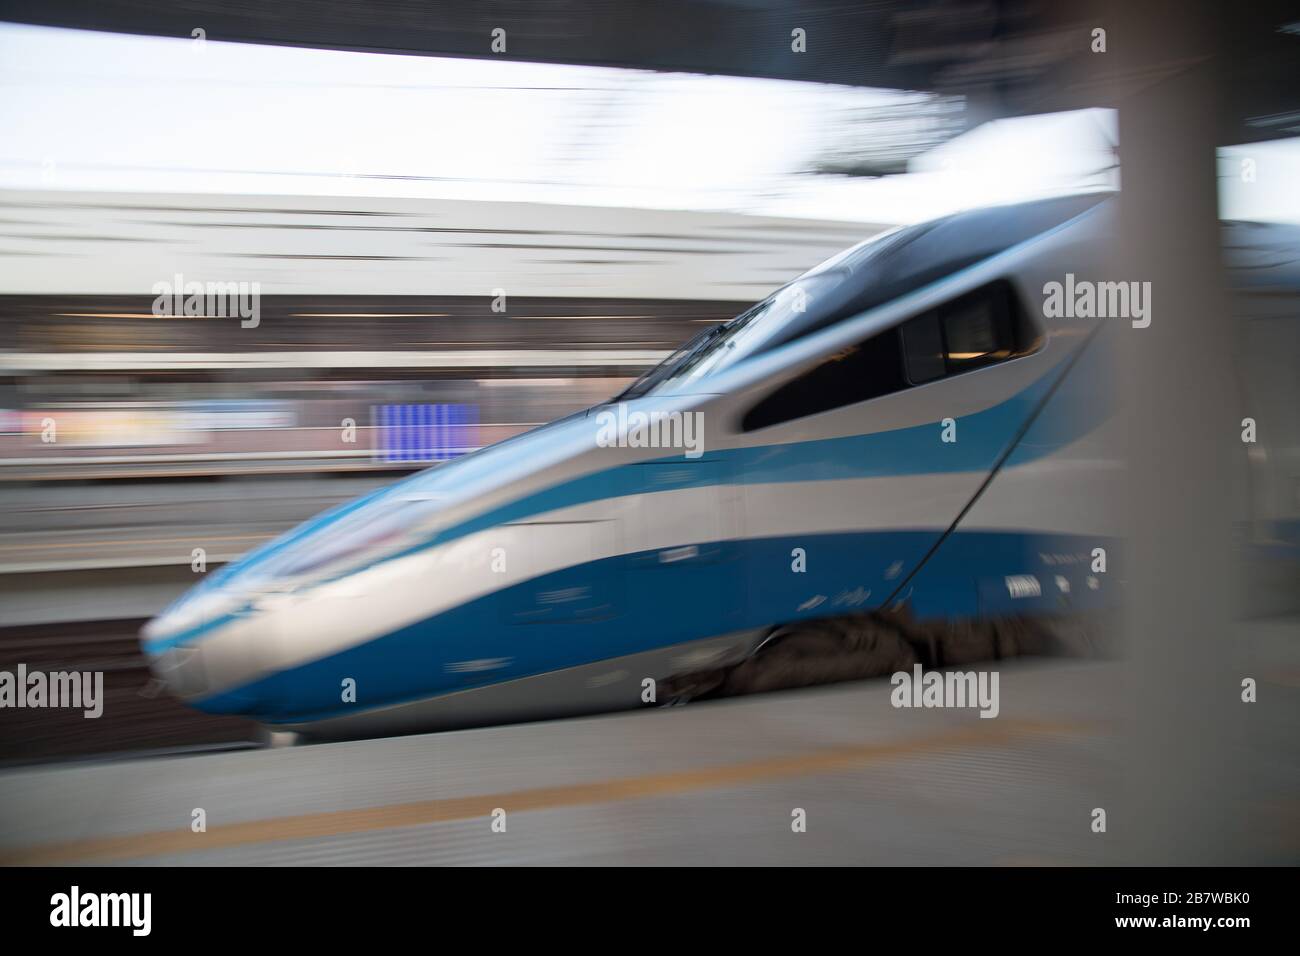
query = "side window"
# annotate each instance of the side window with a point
(977, 329)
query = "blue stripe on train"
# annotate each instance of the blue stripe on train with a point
(526, 448)
(626, 604)
(982, 436)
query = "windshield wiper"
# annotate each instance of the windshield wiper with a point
(654, 376)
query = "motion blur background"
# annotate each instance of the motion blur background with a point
(456, 246)
(449, 252)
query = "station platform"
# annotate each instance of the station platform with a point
(708, 783)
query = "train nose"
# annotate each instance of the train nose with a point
(210, 679)
(176, 660)
(180, 670)
(207, 668)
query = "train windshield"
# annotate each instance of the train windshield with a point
(747, 334)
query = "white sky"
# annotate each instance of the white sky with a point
(102, 111)
(95, 111)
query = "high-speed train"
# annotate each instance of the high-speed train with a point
(906, 424)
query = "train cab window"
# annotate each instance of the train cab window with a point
(977, 329)
(923, 348)
(866, 370)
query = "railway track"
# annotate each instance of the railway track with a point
(137, 716)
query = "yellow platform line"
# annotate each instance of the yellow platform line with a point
(339, 822)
